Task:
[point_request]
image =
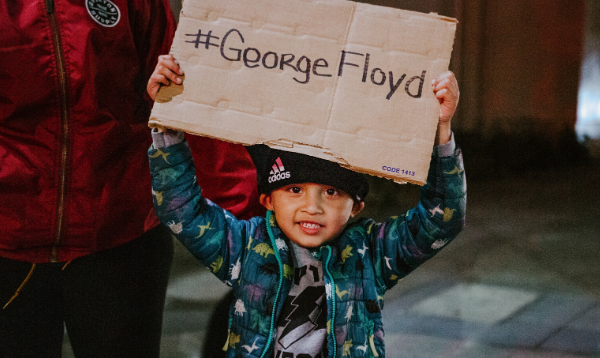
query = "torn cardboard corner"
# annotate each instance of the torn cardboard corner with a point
(343, 81)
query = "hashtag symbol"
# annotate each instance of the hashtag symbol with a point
(203, 39)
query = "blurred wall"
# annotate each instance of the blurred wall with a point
(528, 61)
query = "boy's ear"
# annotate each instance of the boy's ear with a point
(265, 200)
(357, 208)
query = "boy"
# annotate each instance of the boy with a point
(307, 283)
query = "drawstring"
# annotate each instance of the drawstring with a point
(25, 282)
(65, 266)
(22, 285)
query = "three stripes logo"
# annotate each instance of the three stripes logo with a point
(278, 171)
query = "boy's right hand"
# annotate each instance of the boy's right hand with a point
(167, 70)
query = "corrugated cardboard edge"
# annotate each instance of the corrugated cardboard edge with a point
(286, 144)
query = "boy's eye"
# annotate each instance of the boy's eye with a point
(295, 190)
(331, 191)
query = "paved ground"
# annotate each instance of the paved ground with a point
(522, 280)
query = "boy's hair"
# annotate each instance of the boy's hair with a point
(284, 168)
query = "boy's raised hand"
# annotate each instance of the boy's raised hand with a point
(445, 88)
(167, 70)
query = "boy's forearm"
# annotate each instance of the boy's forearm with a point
(443, 133)
(411, 239)
(443, 198)
(200, 225)
(439, 215)
(446, 149)
(178, 200)
(441, 208)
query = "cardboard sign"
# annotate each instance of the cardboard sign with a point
(339, 80)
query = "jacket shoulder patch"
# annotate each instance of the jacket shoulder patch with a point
(104, 12)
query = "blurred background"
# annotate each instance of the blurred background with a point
(523, 279)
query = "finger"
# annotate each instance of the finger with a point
(444, 79)
(446, 92)
(446, 82)
(159, 78)
(448, 97)
(164, 75)
(154, 84)
(169, 62)
(442, 95)
(440, 77)
(441, 84)
(156, 79)
(152, 89)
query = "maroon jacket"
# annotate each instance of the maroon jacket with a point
(74, 176)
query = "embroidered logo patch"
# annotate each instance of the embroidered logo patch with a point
(278, 171)
(277, 167)
(104, 12)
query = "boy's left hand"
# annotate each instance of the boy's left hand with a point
(445, 88)
(167, 70)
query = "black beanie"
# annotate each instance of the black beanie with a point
(284, 168)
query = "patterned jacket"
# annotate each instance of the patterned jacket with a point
(360, 265)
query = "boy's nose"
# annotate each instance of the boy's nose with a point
(312, 202)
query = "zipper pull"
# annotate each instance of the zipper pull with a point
(49, 6)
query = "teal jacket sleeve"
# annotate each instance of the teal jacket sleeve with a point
(402, 243)
(210, 233)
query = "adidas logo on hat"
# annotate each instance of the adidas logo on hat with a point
(278, 171)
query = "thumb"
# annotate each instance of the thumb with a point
(152, 89)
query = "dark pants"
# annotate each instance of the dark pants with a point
(217, 332)
(111, 302)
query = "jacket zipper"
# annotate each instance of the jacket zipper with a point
(64, 140)
(332, 293)
(280, 284)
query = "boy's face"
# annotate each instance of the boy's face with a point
(311, 214)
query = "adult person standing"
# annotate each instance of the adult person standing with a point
(80, 246)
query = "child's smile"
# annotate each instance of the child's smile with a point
(310, 228)
(311, 214)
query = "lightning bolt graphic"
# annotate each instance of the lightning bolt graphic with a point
(304, 315)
